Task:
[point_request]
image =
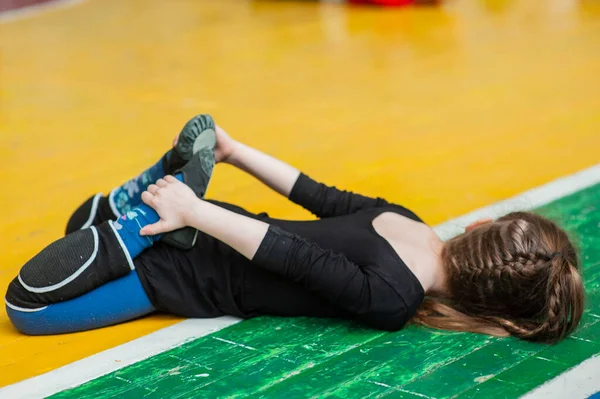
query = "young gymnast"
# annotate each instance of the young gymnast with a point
(363, 259)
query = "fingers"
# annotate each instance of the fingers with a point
(219, 129)
(170, 179)
(154, 190)
(148, 197)
(154, 229)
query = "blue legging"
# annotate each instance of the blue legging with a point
(117, 301)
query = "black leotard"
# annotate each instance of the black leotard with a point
(337, 266)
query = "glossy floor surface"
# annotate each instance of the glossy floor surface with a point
(442, 109)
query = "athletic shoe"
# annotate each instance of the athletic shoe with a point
(198, 133)
(196, 145)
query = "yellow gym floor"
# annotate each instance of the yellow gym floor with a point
(442, 109)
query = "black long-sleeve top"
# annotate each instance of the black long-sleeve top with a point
(337, 266)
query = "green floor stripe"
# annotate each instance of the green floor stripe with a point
(272, 357)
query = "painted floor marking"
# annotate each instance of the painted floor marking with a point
(530, 199)
(36, 9)
(581, 381)
(105, 362)
(102, 363)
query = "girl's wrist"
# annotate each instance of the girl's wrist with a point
(194, 211)
(233, 158)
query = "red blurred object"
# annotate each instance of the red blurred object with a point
(7, 5)
(384, 3)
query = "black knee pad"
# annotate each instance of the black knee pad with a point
(18, 298)
(70, 267)
(94, 211)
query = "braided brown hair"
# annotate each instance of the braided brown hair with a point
(516, 276)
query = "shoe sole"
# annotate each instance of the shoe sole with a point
(198, 133)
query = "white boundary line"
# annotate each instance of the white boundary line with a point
(113, 359)
(36, 9)
(102, 363)
(530, 199)
(579, 382)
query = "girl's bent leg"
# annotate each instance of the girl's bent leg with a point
(198, 134)
(84, 280)
(98, 208)
(70, 267)
(114, 302)
(93, 212)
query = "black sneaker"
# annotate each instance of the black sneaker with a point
(196, 171)
(198, 133)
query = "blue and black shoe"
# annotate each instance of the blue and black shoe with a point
(197, 134)
(193, 157)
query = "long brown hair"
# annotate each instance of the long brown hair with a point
(516, 276)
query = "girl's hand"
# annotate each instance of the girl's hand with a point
(173, 201)
(225, 146)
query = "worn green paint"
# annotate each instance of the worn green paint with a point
(493, 389)
(271, 357)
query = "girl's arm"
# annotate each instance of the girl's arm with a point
(345, 284)
(274, 173)
(178, 206)
(322, 200)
